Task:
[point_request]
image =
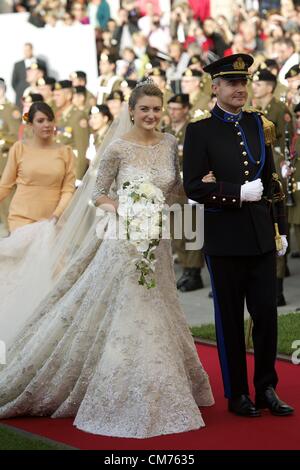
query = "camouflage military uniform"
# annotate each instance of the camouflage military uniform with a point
(10, 119)
(199, 102)
(275, 111)
(72, 129)
(294, 211)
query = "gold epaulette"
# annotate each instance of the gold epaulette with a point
(269, 126)
(269, 130)
(199, 115)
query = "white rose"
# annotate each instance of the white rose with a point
(137, 208)
(148, 189)
(142, 246)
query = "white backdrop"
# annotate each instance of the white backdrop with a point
(65, 49)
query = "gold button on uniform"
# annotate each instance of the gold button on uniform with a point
(214, 197)
(245, 163)
(247, 173)
(224, 199)
(233, 200)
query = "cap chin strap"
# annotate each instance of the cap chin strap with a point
(237, 72)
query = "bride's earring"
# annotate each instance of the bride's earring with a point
(132, 119)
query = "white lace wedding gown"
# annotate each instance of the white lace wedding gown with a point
(103, 349)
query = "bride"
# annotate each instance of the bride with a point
(99, 347)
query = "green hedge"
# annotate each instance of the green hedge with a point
(288, 331)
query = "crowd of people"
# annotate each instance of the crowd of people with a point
(173, 80)
(172, 47)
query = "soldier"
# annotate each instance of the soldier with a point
(281, 90)
(263, 85)
(228, 166)
(126, 88)
(79, 99)
(190, 85)
(115, 101)
(100, 119)
(45, 87)
(196, 63)
(79, 78)
(191, 260)
(25, 132)
(72, 126)
(293, 80)
(33, 73)
(10, 119)
(294, 211)
(108, 81)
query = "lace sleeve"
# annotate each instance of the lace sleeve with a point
(107, 171)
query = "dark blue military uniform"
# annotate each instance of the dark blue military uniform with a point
(239, 238)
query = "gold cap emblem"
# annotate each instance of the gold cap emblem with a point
(188, 73)
(239, 64)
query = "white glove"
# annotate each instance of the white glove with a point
(284, 170)
(284, 246)
(252, 191)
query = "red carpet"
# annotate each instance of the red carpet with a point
(223, 430)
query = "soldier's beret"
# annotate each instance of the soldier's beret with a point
(33, 98)
(293, 72)
(111, 58)
(180, 98)
(128, 83)
(192, 73)
(62, 84)
(101, 108)
(78, 74)
(157, 72)
(195, 59)
(46, 81)
(271, 63)
(264, 75)
(37, 66)
(232, 67)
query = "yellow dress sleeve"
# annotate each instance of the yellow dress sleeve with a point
(9, 176)
(68, 186)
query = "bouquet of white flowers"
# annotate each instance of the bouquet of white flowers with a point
(140, 206)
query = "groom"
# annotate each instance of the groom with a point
(242, 202)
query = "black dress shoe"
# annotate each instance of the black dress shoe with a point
(184, 276)
(192, 281)
(269, 399)
(281, 302)
(295, 254)
(243, 406)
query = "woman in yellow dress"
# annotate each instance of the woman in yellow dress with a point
(42, 170)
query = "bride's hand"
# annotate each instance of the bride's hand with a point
(209, 178)
(53, 218)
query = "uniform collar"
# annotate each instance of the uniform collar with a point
(225, 115)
